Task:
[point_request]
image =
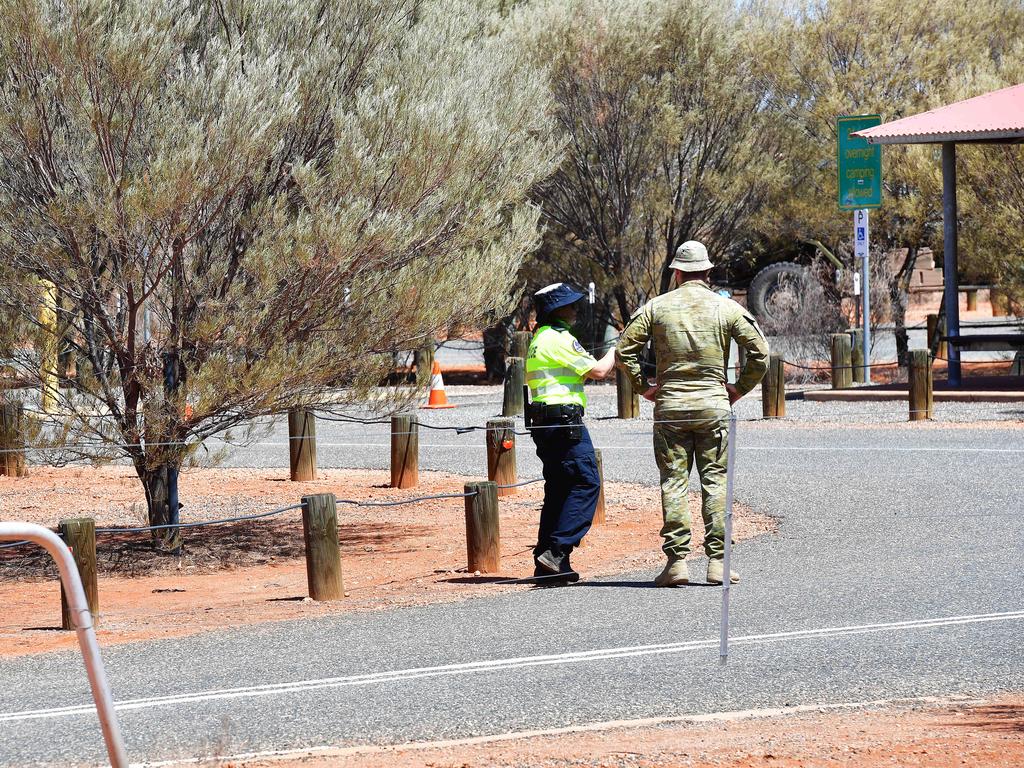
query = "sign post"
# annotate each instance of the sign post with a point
(861, 234)
(860, 189)
(591, 296)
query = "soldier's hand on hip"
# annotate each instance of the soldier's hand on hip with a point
(734, 394)
(651, 393)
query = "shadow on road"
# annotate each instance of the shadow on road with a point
(638, 584)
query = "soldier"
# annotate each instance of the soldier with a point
(556, 367)
(692, 328)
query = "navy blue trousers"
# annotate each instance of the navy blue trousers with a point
(571, 487)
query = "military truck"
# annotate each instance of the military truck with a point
(770, 283)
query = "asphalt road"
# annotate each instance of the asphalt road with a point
(895, 573)
(462, 352)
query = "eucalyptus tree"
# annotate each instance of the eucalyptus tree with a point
(991, 191)
(243, 204)
(992, 185)
(666, 136)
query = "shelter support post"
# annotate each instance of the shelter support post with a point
(949, 271)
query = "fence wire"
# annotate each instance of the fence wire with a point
(466, 429)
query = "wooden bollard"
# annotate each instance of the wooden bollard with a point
(936, 330)
(773, 389)
(302, 444)
(599, 512)
(483, 535)
(323, 555)
(920, 385)
(515, 379)
(501, 454)
(405, 451)
(80, 536)
(842, 361)
(12, 439)
(425, 363)
(999, 302)
(50, 346)
(972, 300)
(857, 355)
(628, 401)
(520, 345)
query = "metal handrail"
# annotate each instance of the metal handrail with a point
(81, 617)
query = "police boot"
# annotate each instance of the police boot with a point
(715, 571)
(674, 574)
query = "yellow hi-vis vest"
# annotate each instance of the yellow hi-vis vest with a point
(556, 367)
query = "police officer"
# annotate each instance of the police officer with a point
(556, 366)
(692, 328)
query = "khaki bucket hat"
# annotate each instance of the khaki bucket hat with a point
(691, 256)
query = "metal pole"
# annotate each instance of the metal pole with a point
(82, 619)
(592, 320)
(862, 248)
(730, 470)
(171, 382)
(950, 277)
(867, 322)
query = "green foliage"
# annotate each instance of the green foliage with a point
(717, 121)
(994, 230)
(666, 137)
(886, 57)
(274, 193)
(991, 195)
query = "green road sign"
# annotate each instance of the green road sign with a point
(860, 164)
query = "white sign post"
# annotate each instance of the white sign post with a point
(860, 251)
(591, 296)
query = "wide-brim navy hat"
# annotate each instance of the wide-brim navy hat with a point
(554, 296)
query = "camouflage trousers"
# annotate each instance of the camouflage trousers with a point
(701, 437)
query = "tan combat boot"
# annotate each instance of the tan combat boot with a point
(715, 571)
(675, 573)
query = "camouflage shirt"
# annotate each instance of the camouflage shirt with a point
(692, 328)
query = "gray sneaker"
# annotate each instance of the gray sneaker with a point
(550, 560)
(674, 574)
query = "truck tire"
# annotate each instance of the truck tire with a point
(765, 297)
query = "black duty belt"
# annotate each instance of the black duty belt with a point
(553, 421)
(543, 414)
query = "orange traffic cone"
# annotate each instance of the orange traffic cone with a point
(438, 398)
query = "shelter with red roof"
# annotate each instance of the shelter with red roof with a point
(992, 118)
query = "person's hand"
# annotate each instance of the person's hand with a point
(734, 394)
(651, 393)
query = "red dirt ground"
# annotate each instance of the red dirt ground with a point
(254, 572)
(936, 734)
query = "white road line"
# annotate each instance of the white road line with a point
(841, 449)
(876, 449)
(327, 751)
(500, 665)
(474, 446)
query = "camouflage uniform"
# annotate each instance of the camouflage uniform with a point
(692, 328)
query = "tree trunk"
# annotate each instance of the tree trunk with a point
(158, 503)
(495, 342)
(666, 269)
(899, 294)
(625, 311)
